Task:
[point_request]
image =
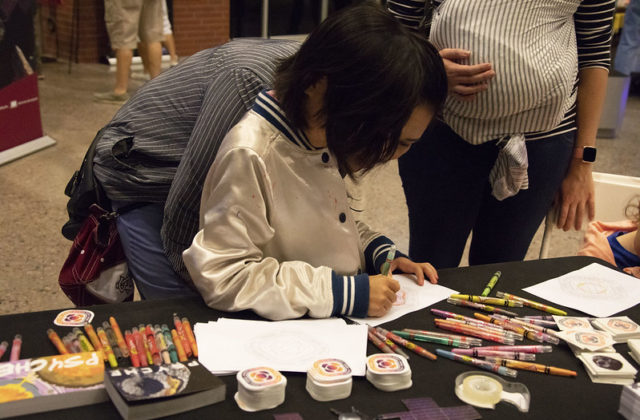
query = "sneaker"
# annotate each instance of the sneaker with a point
(144, 77)
(111, 98)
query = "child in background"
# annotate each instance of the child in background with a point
(617, 243)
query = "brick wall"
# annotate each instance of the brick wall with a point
(200, 24)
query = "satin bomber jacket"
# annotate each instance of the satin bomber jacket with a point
(276, 232)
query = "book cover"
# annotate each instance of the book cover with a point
(51, 383)
(158, 391)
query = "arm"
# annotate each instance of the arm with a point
(593, 21)
(228, 265)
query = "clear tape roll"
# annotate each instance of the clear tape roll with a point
(485, 390)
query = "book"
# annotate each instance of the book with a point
(51, 383)
(159, 391)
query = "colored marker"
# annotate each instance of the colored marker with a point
(182, 335)
(95, 341)
(391, 254)
(162, 345)
(431, 339)
(3, 348)
(153, 347)
(533, 367)
(171, 347)
(85, 345)
(541, 322)
(133, 351)
(16, 346)
(107, 348)
(182, 356)
(532, 304)
(378, 343)
(407, 344)
(66, 340)
(189, 333)
(481, 306)
(523, 349)
(119, 338)
(480, 352)
(482, 364)
(393, 346)
(492, 282)
(543, 317)
(141, 347)
(113, 341)
(465, 329)
(55, 339)
(549, 335)
(469, 340)
(147, 351)
(531, 335)
(489, 300)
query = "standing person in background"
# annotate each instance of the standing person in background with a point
(542, 69)
(627, 59)
(128, 21)
(167, 31)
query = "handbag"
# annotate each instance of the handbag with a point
(96, 271)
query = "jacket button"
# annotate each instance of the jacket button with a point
(325, 157)
(342, 217)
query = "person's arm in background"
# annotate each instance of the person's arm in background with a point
(465, 81)
(593, 21)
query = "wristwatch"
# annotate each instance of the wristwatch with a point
(586, 153)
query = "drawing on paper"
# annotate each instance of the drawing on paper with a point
(591, 288)
(286, 346)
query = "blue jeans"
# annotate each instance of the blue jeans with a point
(446, 184)
(139, 231)
(627, 59)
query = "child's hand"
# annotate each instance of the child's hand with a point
(419, 269)
(382, 294)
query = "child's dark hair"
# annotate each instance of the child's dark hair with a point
(377, 72)
(632, 211)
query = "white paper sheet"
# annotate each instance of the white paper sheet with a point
(595, 290)
(290, 346)
(411, 297)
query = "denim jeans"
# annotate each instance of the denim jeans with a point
(139, 231)
(446, 184)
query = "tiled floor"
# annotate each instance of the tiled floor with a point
(32, 200)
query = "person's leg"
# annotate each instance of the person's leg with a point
(150, 33)
(123, 67)
(627, 58)
(504, 229)
(444, 178)
(139, 231)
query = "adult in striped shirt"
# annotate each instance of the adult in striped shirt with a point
(474, 171)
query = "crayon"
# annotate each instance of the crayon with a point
(542, 317)
(541, 322)
(471, 321)
(482, 364)
(378, 343)
(107, 348)
(147, 351)
(492, 282)
(532, 304)
(408, 344)
(66, 340)
(16, 346)
(119, 338)
(133, 351)
(182, 356)
(475, 333)
(3, 348)
(522, 349)
(481, 326)
(549, 335)
(75, 343)
(95, 341)
(480, 352)
(469, 340)
(481, 306)
(531, 335)
(171, 347)
(85, 345)
(153, 347)
(533, 367)
(189, 333)
(489, 300)
(140, 347)
(162, 345)
(182, 335)
(391, 254)
(57, 342)
(113, 341)
(431, 339)
(393, 346)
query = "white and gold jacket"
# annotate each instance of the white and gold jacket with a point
(276, 232)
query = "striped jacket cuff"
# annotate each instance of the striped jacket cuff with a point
(350, 295)
(376, 253)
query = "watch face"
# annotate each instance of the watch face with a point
(589, 154)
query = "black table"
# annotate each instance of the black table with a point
(552, 397)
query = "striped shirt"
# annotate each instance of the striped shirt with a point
(161, 143)
(536, 47)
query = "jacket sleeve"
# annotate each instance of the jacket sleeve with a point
(228, 266)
